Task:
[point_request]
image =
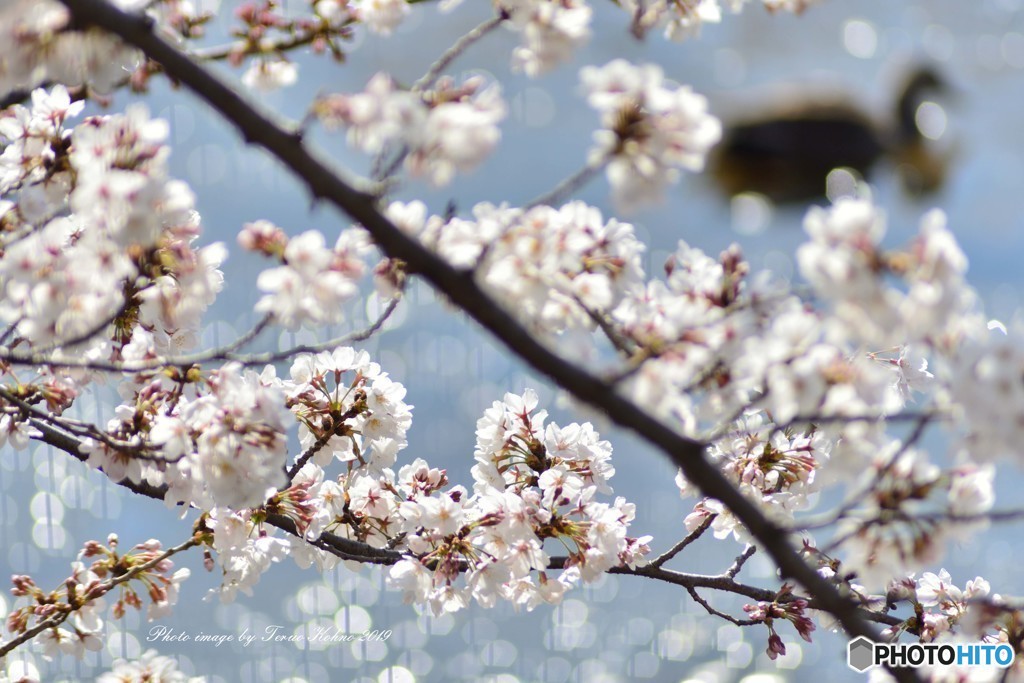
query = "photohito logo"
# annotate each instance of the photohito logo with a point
(863, 654)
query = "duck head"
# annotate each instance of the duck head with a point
(924, 82)
(922, 166)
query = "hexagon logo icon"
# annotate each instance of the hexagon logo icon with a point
(860, 654)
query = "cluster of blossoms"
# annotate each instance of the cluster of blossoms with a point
(215, 440)
(680, 19)
(222, 448)
(150, 667)
(684, 334)
(245, 550)
(911, 509)
(777, 468)
(941, 605)
(380, 16)
(268, 75)
(557, 267)
(450, 128)
(532, 483)
(121, 257)
(348, 410)
(124, 252)
(783, 608)
(798, 373)
(231, 441)
(267, 31)
(312, 282)
(44, 46)
(651, 128)
(551, 31)
(38, 48)
(987, 389)
(947, 614)
(79, 602)
(847, 267)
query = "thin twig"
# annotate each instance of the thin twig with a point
(218, 53)
(857, 497)
(11, 329)
(226, 353)
(741, 560)
(94, 593)
(457, 48)
(569, 185)
(715, 613)
(623, 344)
(678, 547)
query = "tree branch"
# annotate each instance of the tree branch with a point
(224, 353)
(96, 592)
(740, 560)
(460, 46)
(460, 288)
(715, 613)
(690, 538)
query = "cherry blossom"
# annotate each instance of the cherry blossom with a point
(450, 128)
(42, 50)
(552, 30)
(512, 509)
(651, 129)
(150, 667)
(381, 16)
(348, 408)
(684, 19)
(810, 402)
(270, 75)
(313, 281)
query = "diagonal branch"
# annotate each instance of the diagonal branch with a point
(460, 46)
(687, 540)
(461, 289)
(96, 591)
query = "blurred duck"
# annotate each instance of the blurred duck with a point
(787, 155)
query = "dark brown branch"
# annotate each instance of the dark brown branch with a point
(690, 538)
(315, 448)
(740, 560)
(715, 613)
(462, 290)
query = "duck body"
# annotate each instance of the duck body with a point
(787, 158)
(787, 155)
